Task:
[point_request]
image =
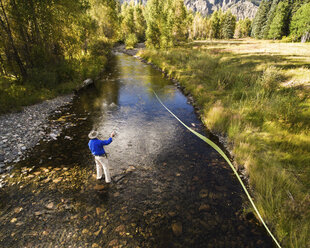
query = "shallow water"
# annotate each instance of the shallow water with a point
(170, 189)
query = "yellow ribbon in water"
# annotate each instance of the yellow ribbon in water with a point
(219, 150)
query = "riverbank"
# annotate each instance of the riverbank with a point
(260, 102)
(22, 130)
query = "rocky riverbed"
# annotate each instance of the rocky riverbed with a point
(23, 130)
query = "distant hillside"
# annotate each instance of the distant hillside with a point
(240, 8)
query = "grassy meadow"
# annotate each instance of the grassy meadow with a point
(256, 93)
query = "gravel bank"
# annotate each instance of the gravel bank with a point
(21, 131)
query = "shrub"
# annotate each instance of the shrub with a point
(272, 76)
(131, 41)
(100, 47)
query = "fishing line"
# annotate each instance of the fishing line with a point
(220, 151)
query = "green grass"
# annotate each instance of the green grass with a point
(243, 94)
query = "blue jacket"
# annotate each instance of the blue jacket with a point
(96, 146)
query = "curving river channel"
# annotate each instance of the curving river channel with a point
(169, 188)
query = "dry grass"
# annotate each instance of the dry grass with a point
(293, 57)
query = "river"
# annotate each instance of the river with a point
(169, 188)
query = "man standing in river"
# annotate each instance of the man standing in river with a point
(96, 147)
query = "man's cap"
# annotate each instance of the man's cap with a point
(93, 134)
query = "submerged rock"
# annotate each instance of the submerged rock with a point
(177, 228)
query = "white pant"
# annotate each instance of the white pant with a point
(102, 163)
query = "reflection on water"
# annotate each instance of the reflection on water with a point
(170, 189)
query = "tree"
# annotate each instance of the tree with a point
(296, 4)
(105, 13)
(43, 42)
(270, 17)
(128, 22)
(228, 25)
(280, 23)
(243, 28)
(167, 23)
(153, 16)
(140, 23)
(179, 16)
(300, 25)
(199, 27)
(260, 19)
(215, 24)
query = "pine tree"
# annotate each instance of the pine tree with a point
(215, 23)
(153, 17)
(179, 30)
(243, 28)
(296, 4)
(127, 23)
(105, 13)
(280, 23)
(228, 25)
(260, 19)
(140, 23)
(199, 27)
(270, 16)
(167, 23)
(300, 25)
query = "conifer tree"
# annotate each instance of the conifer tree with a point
(167, 23)
(280, 22)
(300, 25)
(140, 24)
(179, 17)
(270, 17)
(296, 4)
(128, 22)
(228, 25)
(260, 19)
(243, 28)
(105, 13)
(199, 27)
(215, 23)
(153, 16)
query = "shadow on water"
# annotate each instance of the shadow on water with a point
(170, 189)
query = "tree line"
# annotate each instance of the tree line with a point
(47, 42)
(166, 23)
(278, 19)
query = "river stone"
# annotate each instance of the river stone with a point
(17, 210)
(99, 211)
(203, 193)
(97, 233)
(50, 205)
(13, 220)
(204, 207)
(130, 168)
(177, 228)
(57, 180)
(113, 242)
(99, 187)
